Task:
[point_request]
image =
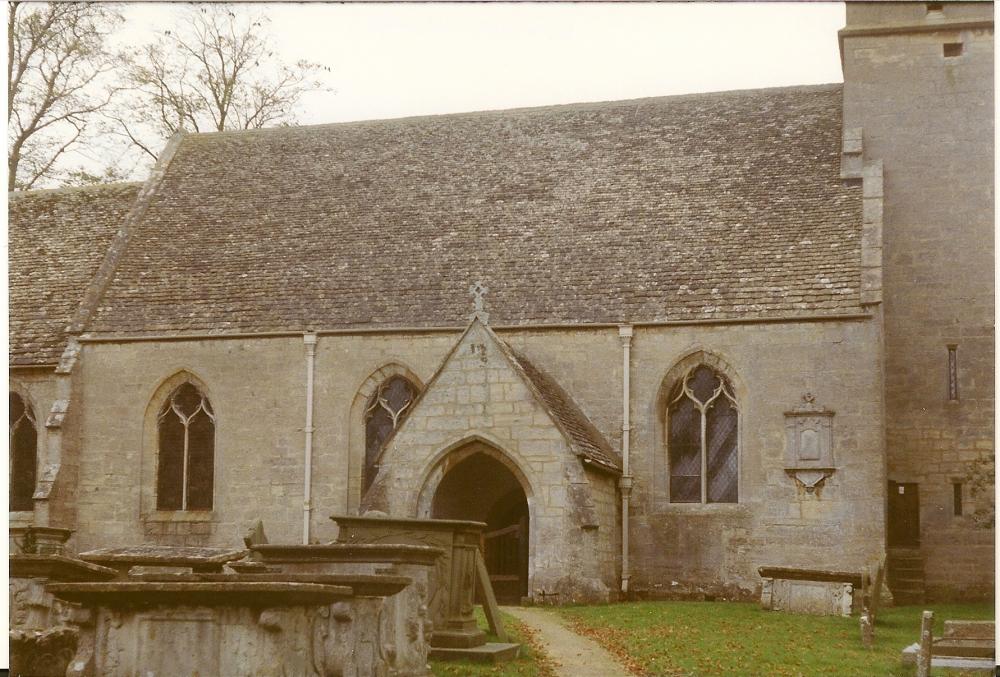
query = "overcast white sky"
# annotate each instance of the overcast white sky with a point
(415, 59)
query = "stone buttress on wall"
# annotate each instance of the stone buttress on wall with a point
(918, 95)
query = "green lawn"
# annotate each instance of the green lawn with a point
(531, 662)
(709, 639)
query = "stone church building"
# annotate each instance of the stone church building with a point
(653, 344)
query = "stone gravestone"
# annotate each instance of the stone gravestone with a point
(451, 593)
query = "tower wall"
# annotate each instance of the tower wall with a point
(918, 82)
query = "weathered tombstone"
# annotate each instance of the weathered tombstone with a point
(255, 535)
(42, 636)
(222, 627)
(810, 591)
(965, 645)
(871, 596)
(451, 592)
(32, 540)
(195, 559)
(405, 627)
(926, 639)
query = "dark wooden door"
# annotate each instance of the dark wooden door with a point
(505, 553)
(904, 514)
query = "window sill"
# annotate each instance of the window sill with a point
(704, 508)
(180, 516)
(19, 516)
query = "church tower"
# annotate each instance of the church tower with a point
(918, 97)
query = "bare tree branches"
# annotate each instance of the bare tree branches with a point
(55, 86)
(213, 72)
(69, 94)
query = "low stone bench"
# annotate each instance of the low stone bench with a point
(966, 645)
(810, 591)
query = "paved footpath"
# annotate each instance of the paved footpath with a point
(573, 655)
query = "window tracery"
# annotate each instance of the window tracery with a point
(386, 409)
(186, 432)
(702, 422)
(23, 445)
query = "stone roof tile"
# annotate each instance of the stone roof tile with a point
(56, 241)
(706, 206)
(584, 437)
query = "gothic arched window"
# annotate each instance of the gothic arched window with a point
(702, 436)
(186, 431)
(386, 409)
(23, 453)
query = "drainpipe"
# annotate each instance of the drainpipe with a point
(310, 343)
(625, 484)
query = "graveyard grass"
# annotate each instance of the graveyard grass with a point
(532, 661)
(709, 639)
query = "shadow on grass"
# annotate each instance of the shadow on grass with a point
(531, 662)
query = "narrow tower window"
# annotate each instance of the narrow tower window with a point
(23, 441)
(956, 490)
(953, 372)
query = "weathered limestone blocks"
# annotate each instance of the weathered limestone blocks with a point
(42, 635)
(197, 560)
(824, 593)
(38, 540)
(216, 627)
(451, 584)
(172, 611)
(403, 622)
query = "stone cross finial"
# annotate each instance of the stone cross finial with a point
(478, 291)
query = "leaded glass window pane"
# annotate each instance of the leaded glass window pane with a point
(685, 452)
(720, 445)
(23, 439)
(702, 439)
(201, 461)
(702, 383)
(386, 410)
(186, 461)
(170, 472)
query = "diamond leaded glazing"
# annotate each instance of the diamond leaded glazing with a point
(702, 422)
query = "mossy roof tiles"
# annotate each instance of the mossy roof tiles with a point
(56, 242)
(704, 206)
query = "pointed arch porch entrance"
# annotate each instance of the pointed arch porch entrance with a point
(478, 482)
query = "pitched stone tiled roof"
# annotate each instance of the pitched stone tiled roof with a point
(582, 435)
(725, 205)
(57, 240)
